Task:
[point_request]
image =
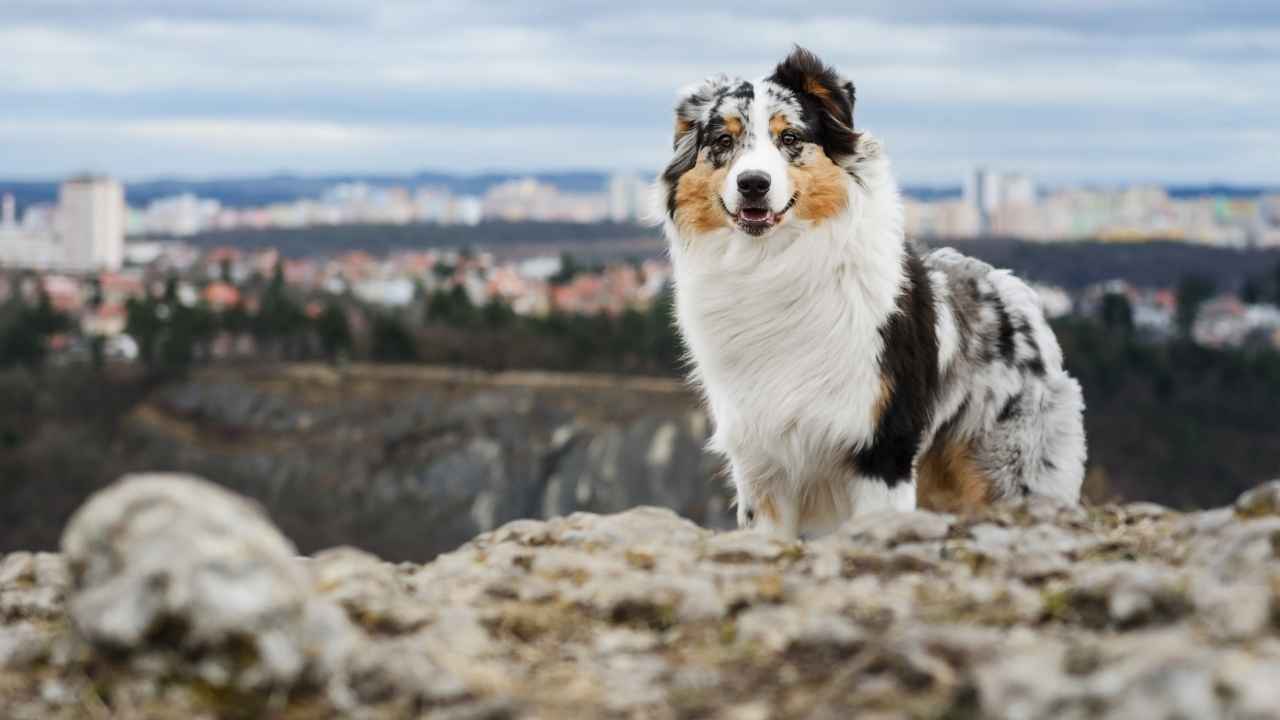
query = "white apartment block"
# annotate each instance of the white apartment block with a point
(91, 222)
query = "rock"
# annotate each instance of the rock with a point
(1125, 594)
(1260, 501)
(368, 589)
(22, 645)
(168, 562)
(891, 529)
(176, 598)
(32, 584)
(778, 629)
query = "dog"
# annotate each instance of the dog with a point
(847, 372)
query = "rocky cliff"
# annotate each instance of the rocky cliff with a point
(408, 462)
(173, 597)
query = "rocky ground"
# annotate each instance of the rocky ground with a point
(173, 597)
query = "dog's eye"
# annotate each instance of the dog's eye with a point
(724, 141)
(789, 138)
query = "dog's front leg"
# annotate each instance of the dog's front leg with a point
(766, 505)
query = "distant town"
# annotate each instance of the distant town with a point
(90, 254)
(990, 203)
(1014, 205)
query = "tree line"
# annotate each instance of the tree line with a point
(282, 324)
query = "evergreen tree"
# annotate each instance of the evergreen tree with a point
(451, 307)
(1117, 313)
(143, 324)
(25, 330)
(497, 314)
(1193, 291)
(569, 269)
(97, 344)
(334, 331)
(280, 321)
(390, 341)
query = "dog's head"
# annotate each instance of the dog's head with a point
(756, 156)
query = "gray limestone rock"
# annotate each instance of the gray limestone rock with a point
(173, 597)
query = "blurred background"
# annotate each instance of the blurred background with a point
(382, 265)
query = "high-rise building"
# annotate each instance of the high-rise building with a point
(91, 215)
(627, 194)
(987, 191)
(1017, 190)
(8, 211)
(980, 193)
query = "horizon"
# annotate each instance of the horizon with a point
(1087, 93)
(379, 176)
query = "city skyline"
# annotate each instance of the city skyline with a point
(1082, 93)
(991, 204)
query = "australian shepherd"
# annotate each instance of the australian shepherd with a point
(847, 372)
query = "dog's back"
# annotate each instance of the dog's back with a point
(1009, 420)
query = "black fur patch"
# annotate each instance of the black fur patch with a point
(671, 176)
(910, 363)
(1035, 364)
(826, 101)
(1005, 338)
(1010, 410)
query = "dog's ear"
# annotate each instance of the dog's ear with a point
(819, 87)
(692, 103)
(691, 113)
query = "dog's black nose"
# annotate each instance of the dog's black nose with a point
(753, 184)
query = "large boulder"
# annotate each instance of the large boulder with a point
(173, 563)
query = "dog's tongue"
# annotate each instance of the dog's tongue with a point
(754, 214)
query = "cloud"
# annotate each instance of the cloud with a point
(251, 86)
(217, 146)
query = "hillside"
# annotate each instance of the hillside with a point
(1078, 264)
(175, 598)
(404, 461)
(599, 241)
(1073, 265)
(411, 461)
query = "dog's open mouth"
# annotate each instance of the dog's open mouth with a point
(755, 218)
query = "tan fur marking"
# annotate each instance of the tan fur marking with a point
(682, 126)
(820, 499)
(734, 126)
(820, 91)
(820, 188)
(777, 124)
(817, 89)
(698, 207)
(948, 480)
(882, 402)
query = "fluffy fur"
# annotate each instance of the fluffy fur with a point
(845, 372)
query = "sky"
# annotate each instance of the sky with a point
(1091, 91)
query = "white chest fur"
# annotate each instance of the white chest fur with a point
(784, 333)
